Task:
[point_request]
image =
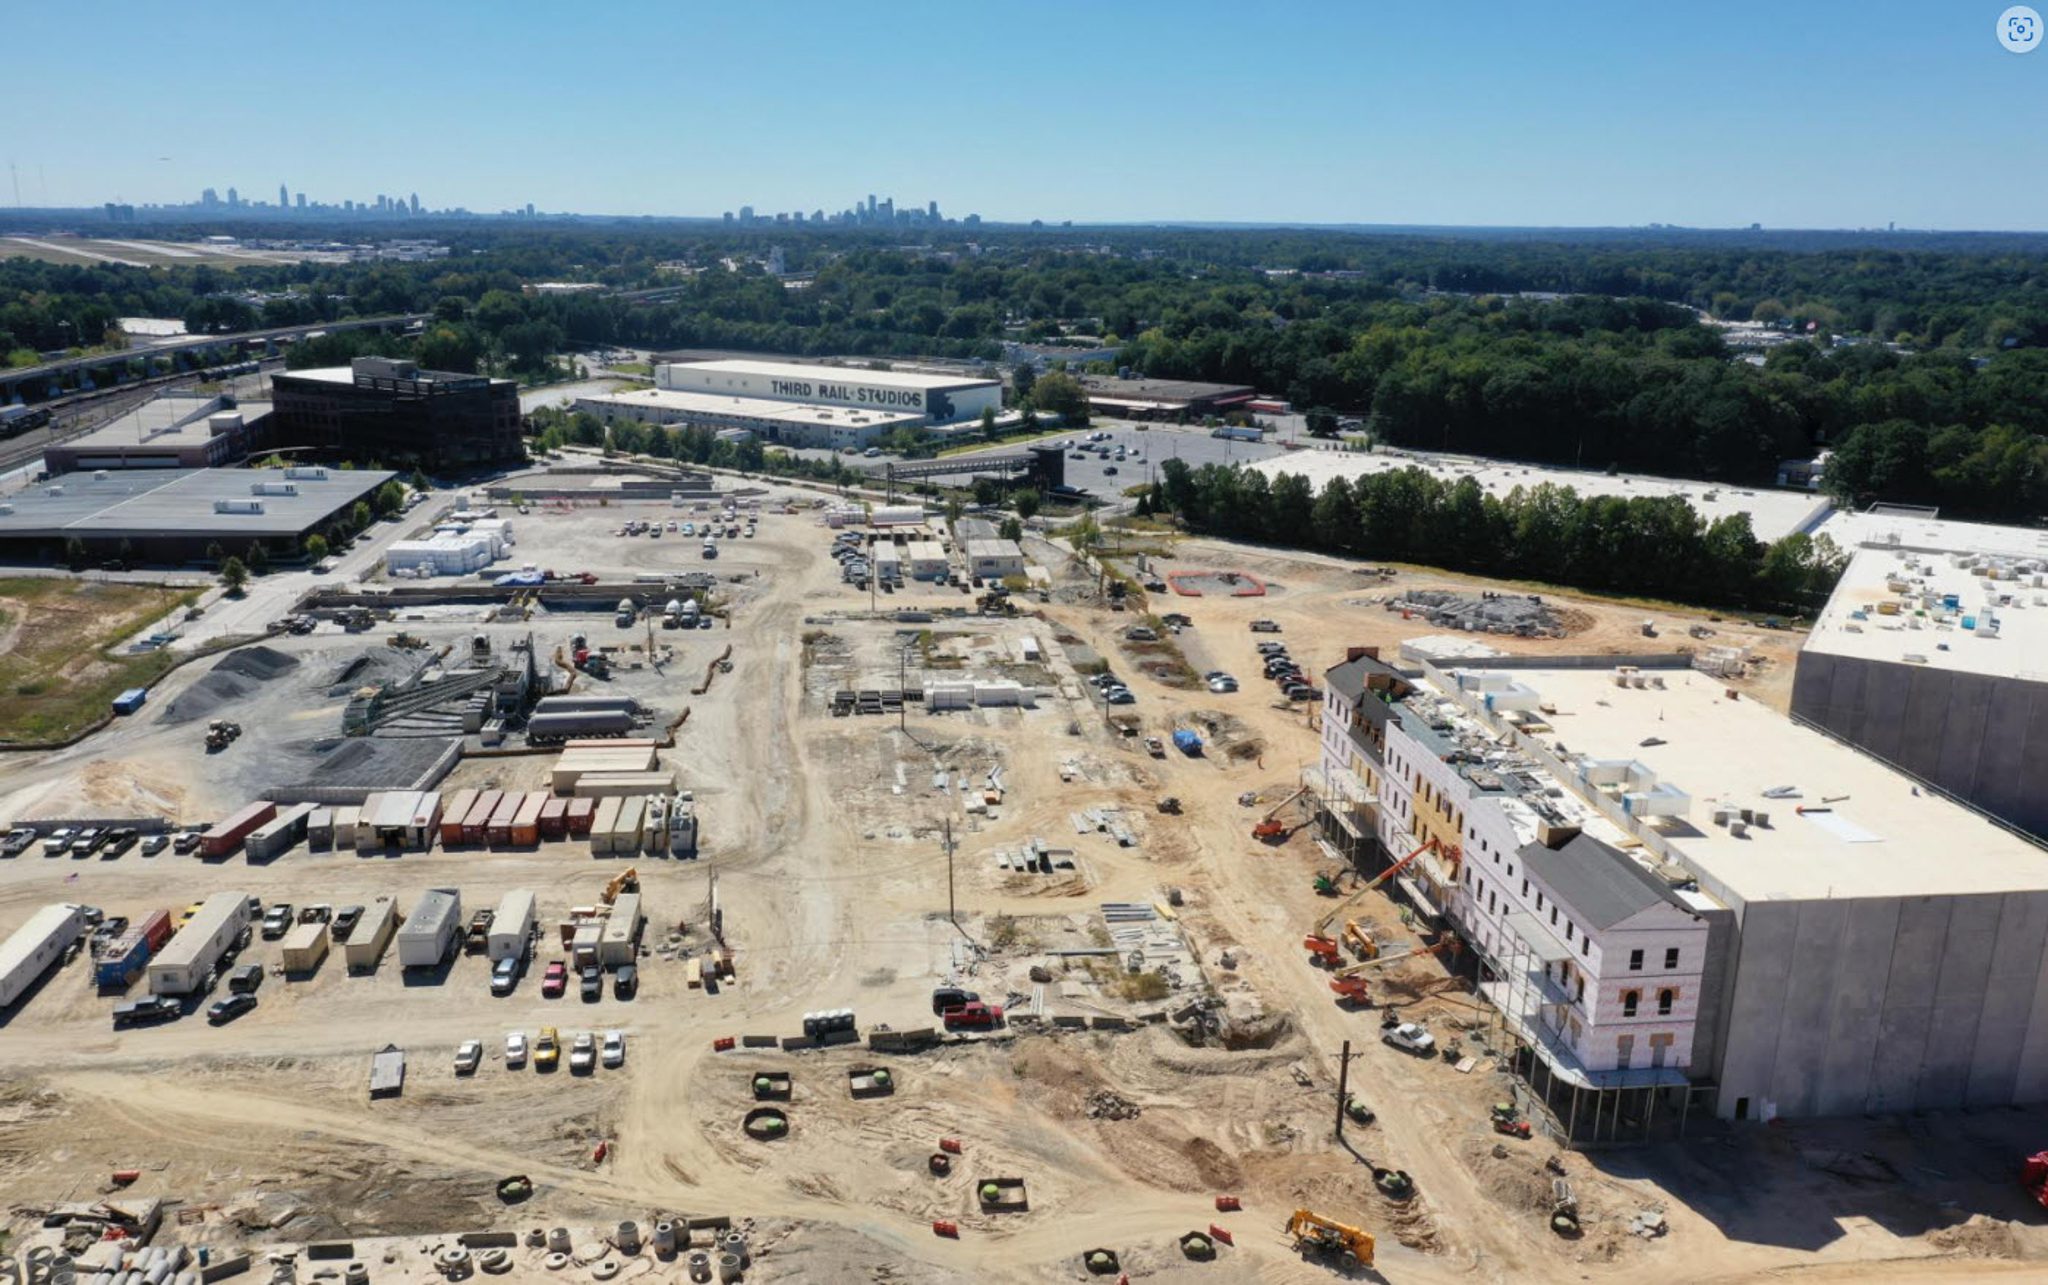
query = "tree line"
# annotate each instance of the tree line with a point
(1640, 546)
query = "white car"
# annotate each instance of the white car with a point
(515, 1049)
(614, 1048)
(1410, 1038)
(1222, 684)
(469, 1057)
(583, 1053)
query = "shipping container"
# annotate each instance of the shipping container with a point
(498, 830)
(304, 947)
(607, 820)
(345, 824)
(182, 965)
(619, 941)
(454, 811)
(373, 933)
(156, 929)
(227, 835)
(480, 815)
(598, 785)
(511, 926)
(526, 821)
(130, 701)
(580, 813)
(554, 818)
(35, 947)
(320, 829)
(115, 963)
(276, 836)
(632, 818)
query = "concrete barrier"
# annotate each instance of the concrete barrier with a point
(331, 1249)
(797, 1043)
(222, 1268)
(759, 1041)
(1109, 1023)
(488, 1240)
(1071, 1023)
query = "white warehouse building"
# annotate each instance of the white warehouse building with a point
(798, 404)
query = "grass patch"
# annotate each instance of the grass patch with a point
(56, 668)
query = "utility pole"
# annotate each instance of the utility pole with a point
(952, 911)
(1343, 1087)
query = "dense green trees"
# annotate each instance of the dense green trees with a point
(1656, 547)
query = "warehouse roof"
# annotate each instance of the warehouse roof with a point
(167, 422)
(1169, 392)
(156, 502)
(994, 549)
(850, 374)
(1894, 599)
(725, 406)
(1876, 834)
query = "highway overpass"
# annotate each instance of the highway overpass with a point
(53, 379)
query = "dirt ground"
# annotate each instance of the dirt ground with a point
(1125, 1100)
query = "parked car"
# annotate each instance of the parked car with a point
(625, 982)
(469, 1056)
(515, 1049)
(1223, 685)
(1410, 1038)
(19, 840)
(973, 1016)
(949, 997)
(245, 979)
(277, 921)
(185, 844)
(88, 841)
(592, 980)
(223, 1011)
(547, 1049)
(345, 921)
(583, 1053)
(1265, 626)
(505, 975)
(119, 841)
(1272, 649)
(154, 844)
(147, 1011)
(1119, 696)
(614, 1048)
(58, 842)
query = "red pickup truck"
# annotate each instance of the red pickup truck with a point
(555, 980)
(974, 1016)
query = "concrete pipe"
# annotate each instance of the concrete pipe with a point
(536, 1238)
(604, 1269)
(628, 1238)
(700, 1266)
(558, 1240)
(556, 1261)
(729, 1268)
(664, 1237)
(735, 1242)
(98, 1278)
(192, 1278)
(494, 1261)
(356, 1273)
(159, 1273)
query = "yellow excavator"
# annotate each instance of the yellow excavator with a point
(627, 880)
(1315, 1234)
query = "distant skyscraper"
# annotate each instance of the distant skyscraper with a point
(529, 209)
(932, 211)
(209, 197)
(415, 202)
(284, 197)
(302, 200)
(234, 198)
(746, 214)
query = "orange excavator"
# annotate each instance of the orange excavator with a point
(1326, 950)
(1350, 984)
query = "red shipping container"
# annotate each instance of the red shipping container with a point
(554, 818)
(499, 828)
(225, 837)
(156, 930)
(480, 815)
(582, 814)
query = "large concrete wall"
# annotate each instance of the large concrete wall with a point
(1980, 737)
(1888, 1004)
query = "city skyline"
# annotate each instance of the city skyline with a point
(1605, 115)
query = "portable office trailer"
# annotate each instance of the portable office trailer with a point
(373, 933)
(276, 836)
(424, 823)
(607, 820)
(511, 926)
(619, 941)
(305, 946)
(579, 814)
(554, 818)
(498, 830)
(227, 835)
(320, 829)
(632, 819)
(182, 965)
(586, 940)
(430, 931)
(454, 811)
(479, 815)
(599, 785)
(35, 947)
(526, 821)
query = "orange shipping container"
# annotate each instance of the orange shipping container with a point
(526, 821)
(554, 818)
(480, 815)
(453, 811)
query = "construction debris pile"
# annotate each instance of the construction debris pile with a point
(1104, 1104)
(1522, 615)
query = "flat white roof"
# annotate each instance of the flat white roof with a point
(1878, 835)
(1905, 529)
(847, 374)
(1967, 612)
(1772, 513)
(754, 408)
(26, 940)
(994, 549)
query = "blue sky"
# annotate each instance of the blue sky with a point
(1819, 113)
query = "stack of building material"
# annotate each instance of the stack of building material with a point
(604, 757)
(600, 785)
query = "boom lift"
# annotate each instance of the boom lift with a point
(1315, 1234)
(1324, 949)
(1350, 983)
(1270, 827)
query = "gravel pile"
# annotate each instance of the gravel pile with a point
(232, 680)
(1105, 1105)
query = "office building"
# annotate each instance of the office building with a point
(1680, 901)
(176, 430)
(394, 412)
(1163, 398)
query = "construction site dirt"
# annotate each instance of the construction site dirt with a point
(1165, 1040)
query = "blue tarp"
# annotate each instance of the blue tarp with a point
(519, 579)
(1187, 742)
